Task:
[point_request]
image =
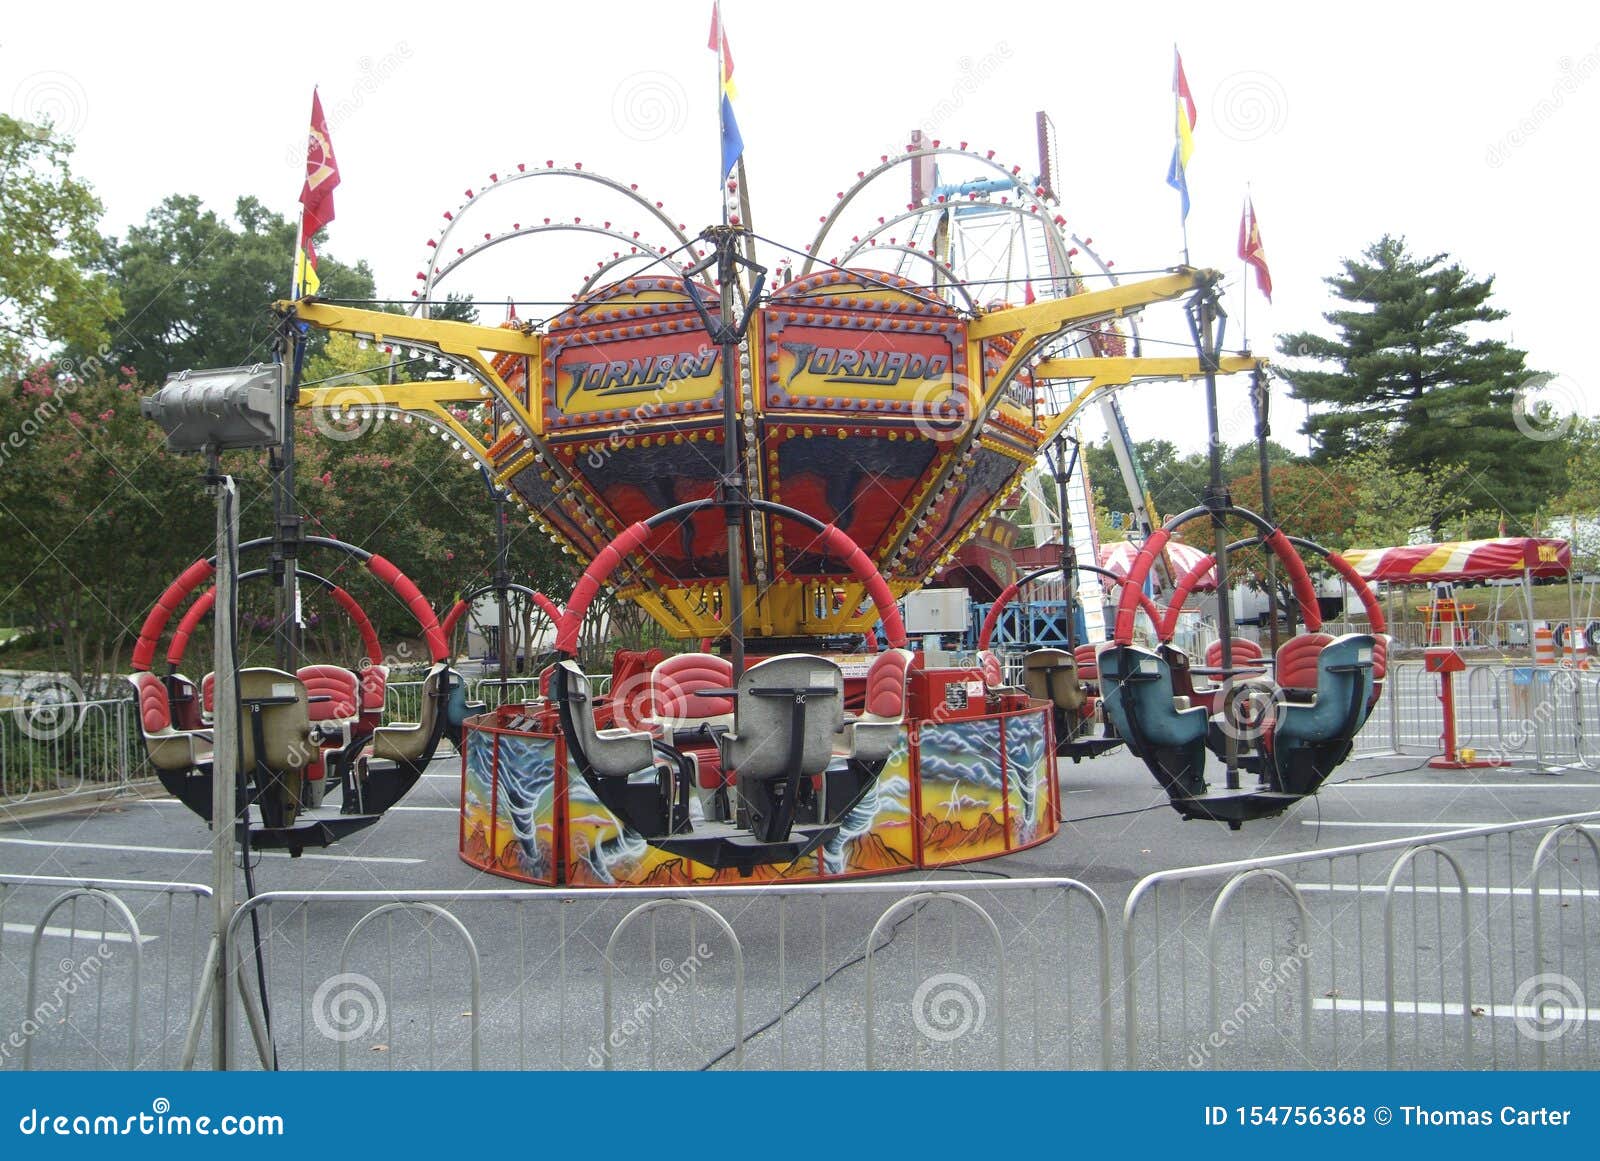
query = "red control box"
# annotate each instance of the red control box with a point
(1441, 660)
(947, 695)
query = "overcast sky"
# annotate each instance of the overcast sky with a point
(1468, 130)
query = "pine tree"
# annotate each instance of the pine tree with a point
(1414, 376)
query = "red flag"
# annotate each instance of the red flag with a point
(1180, 85)
(1251, 252)
(719, 41)
(322, 177)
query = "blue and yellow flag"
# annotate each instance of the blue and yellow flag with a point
(1183, 147)
(732, 142)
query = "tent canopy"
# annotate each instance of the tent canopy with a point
(1463, 560)
(1117, 558)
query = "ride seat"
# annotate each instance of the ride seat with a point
(1140, 703)
(611, 753)
(169, 749)
(1243, 652)
(1310, 737)
(287, 743)
(680, 709)
(871, 735)
(1051, 675)
(374, 695)
(413, 743)
(208, 697)
(1088, 663)
(1296, 667)
(770, 722)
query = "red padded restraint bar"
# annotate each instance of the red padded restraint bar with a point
(1133, 584)
(835, 542)
(202, 608)
(1369, 599)
(191, 578)
(414, 600)
(583, 593)
(1304, 590)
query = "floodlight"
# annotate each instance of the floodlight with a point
(221, 409)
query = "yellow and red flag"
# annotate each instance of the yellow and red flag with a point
(316, 196)
(1251, 250)
(732, 141)
(1183, 147)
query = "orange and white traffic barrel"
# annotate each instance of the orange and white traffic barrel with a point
(1544, 646)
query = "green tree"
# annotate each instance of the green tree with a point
(1176, 482)
(198, 287)
(94, 517)
(1410, 372)
(50, 289)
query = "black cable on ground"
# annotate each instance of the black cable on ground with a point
(850, 963)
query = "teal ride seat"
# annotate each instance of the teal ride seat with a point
(1312, 737)
(457, 709)
(1162, 729)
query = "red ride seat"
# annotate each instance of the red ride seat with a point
(334, 718)
(1244, 652)
(1296, 669)
(208, 696)
(1088, 666)
(676, 680)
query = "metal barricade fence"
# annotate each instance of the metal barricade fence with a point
(1466, 949)
(53, 749)
(964, 974)
(98, 973)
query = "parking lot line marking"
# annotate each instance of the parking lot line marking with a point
(67, 932)
(1434, 1008)
(1425, 826)
(412, 809)
(1377, 785)
(203, 851)
(1427, 889)
(451, 777)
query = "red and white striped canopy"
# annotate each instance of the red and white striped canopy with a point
(1463, 560)
(1117, 558)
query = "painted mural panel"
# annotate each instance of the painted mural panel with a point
(525, 807)
(1027, 768)
(963, 800)
(877, 834)
(477, 797)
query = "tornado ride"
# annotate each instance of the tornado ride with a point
(766, 471)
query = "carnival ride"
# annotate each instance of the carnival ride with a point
(317, 724)
(770, 470)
